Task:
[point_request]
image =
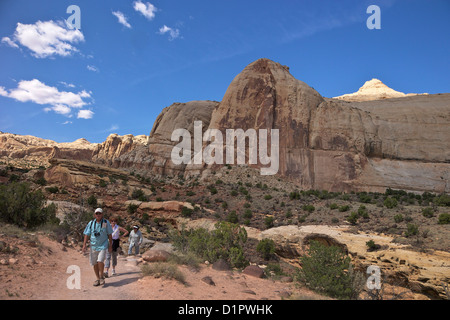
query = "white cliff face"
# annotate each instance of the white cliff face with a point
(373, 90)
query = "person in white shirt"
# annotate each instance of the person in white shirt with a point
(135, 240)
(116, 236)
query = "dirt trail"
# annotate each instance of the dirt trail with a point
(45, 278)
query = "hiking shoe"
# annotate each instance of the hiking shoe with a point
(96, 283)
(102, 281)
(113, 273)
(105, 275)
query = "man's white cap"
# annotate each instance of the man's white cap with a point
(99, 210)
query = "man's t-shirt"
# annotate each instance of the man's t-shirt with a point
(99, 232)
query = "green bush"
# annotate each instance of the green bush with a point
(309, 208)
(224, 242)
(333, 206)
(25, 208)
(390, 202)
(411, 230)
(232, 217)
(353, 218)
(398, 218)
(186, 212)
(268, 222)
(428, 212)
(325, 269)
(444, 218)
(92, 201)
(266, 247)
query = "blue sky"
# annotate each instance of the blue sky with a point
(130, 59)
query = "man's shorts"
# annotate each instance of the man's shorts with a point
(97, 256)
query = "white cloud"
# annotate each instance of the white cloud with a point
(85, 114)
(35, 91)
(68, 85)
(45, 39)
(122, 19)
(147, 9)
(9, 42)
(61, 109)
(173, 33)
(92, 68)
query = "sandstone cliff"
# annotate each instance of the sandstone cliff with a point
(338, 145)
(367, 141)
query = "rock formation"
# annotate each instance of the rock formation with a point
(367, 141)
(373, 90)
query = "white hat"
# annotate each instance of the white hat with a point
(99, 210)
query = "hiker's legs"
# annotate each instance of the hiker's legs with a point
(108, 261)
(130, 248)
(96, 271)
(114, 258)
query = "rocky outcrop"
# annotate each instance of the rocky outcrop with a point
(15, 146)
(121, 151)
(176, 116)
(373, 90)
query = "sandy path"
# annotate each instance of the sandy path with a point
(47, 279)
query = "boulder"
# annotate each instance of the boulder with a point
(155, 256)
(254, 271)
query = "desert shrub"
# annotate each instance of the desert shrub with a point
(266, 247)
(390, 202)
(344, 208)
(267, 197)
(186, 212)
(232, 217)
(132, 208)
(138, 194)
(92, 201)
(353, 218)
(164, 270)
(371, 244)
(333, 206)
(364, 197)
(398, 218)
(309, 208)
(295, 195)
(41, 181)
(411, 230)
(52, 189)
(325, 269)
(25, 208)
(224, 242)
(362, 212)
(444, 218)
(268, 222)
(443, 200)
(428, 212)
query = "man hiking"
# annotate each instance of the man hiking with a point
(100, 232)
